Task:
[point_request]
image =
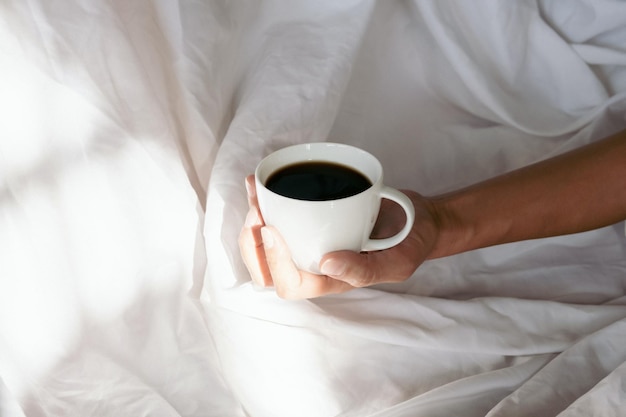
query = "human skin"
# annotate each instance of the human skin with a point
(580, 190)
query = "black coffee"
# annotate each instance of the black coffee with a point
(317, 181)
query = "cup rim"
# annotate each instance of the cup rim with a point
(278, 153)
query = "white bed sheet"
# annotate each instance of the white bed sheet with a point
(128, 127)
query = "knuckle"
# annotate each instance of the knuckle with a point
(372, 271)
(371, 276)
(366, 276)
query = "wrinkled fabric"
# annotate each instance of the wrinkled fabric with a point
(127, 130)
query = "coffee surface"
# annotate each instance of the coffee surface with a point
(317, 181)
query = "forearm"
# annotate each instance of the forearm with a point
(574, 192)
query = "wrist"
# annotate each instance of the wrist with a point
(455, 224)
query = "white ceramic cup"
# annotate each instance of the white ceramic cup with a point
(312, 229)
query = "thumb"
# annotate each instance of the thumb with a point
(368, 268)
(358, 270)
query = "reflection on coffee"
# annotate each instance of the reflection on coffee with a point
(317, 181)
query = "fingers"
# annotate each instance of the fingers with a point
(251, 241)
(251, 190)
(279, 263)
(289, 281)
(251, 248)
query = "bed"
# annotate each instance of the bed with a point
(127, 129)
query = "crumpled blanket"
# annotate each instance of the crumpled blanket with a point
(127, 131)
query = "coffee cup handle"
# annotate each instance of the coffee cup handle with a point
(407, 205)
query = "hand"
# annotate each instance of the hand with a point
(268, 260)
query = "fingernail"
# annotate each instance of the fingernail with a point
(268, 238)
(333, 267)
(249, 189)
(252, 218)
